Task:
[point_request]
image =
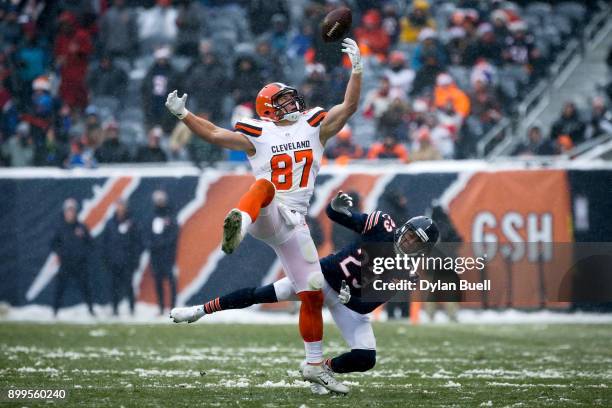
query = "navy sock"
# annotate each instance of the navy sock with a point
(242, 298)
(354, 360)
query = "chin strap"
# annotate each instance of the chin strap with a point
(293, 116)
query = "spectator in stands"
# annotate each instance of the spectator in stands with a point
(400, 76)
(428, 46)
(42, 109)
(73, 47)
(395, 119)
(486, 46)
(260, 11)
(112, 150)
(372, 34)
(205, 74)
(152, 152)
(484, 102)
(425, 151)
(247, 79)
(443, 137)
(55, 151)
(106, 79)
(158, 24)
(447, 92)
(185, 146)
(377, 101)
(162, 244)
(499, 19)
(277, 36)
(416, 20)
(10, 116)
(520, 49)
(390, 21)
(457, 46)
(601, 119)
(190, 23)
(72, 244)
(31, 59)
(425, 77)
(564, 144)
(19, 149)
(121, 248)
(93, 136)
(300, 42)
(10, 29)
(159, 81)
(81, 155)
(536, 144)
(342, 147)
(568, 124)
(315, 88)
(119, 31)
(390, 148)
(269, 62)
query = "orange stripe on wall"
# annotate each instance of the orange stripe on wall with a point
(96, 215)
(201, 234)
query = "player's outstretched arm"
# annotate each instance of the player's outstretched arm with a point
(339, 211)
(338, 115)
(205, 129)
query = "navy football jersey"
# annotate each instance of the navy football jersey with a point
(345, 265)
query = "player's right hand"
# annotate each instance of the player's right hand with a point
(345, 293)
(176, 105)
(342, 202)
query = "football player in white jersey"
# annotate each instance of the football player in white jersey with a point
(284, 147)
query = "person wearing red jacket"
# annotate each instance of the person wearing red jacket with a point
(72, 49)
(372, 34)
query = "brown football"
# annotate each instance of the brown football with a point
(337, 24)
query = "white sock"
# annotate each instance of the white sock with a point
(246, 223)
(314, 352)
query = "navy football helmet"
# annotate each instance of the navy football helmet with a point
(417, 236)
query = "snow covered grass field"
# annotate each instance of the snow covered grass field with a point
(252, 365)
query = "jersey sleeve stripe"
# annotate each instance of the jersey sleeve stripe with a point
(377, 217)
(248, 129)
(365, 225)
(317, 118)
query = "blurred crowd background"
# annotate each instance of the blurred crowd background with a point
(83, 83)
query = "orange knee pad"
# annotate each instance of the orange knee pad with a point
(259, 195)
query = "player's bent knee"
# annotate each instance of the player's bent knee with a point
(364, 359)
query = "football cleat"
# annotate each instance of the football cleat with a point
(186, 314)
(232, 234)
(318, 389)
(321, 375)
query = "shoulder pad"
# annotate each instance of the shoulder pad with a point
(249, 127)
(315, 116)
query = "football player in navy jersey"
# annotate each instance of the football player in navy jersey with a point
(341, 282)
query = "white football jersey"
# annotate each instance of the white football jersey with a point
(288, 156)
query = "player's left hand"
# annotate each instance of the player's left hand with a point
(342, 202)
(350, 48)
(345, 293)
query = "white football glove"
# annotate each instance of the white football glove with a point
(176, 105)
(345, 293)
(341, 203)
(350, 47)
